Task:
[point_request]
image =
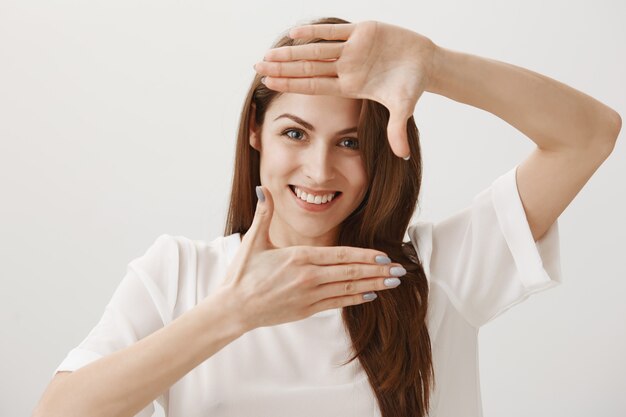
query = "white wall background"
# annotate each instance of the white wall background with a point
(118, 121)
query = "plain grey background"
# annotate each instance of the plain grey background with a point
(118, 123)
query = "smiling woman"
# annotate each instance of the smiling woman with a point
(297, 310)
(318, 163)
(378, 194)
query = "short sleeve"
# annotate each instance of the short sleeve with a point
(484, 257)
(141, 304)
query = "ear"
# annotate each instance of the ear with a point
(254, 131)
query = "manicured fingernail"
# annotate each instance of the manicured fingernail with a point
(391, 282)
(260, 195)
(397, 271)
(263, 80)
(407, 158)
(369, 296)
(382, 259)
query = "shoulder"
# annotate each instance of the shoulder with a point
(171, 259)
(177, 270)
(161, 258)
(173, 249)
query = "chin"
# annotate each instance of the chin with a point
(311, 230)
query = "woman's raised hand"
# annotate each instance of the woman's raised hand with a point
(277, 285)
(376, 61)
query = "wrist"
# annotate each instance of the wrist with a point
(440, 57)
(222, 306)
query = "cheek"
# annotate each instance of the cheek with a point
(356, 174)
(277, 160)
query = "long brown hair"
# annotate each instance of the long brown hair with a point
(389, 336)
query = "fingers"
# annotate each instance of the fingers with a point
(358, 287)
(333, 255)
(355, 271)
(319, 85)
(338, 302)
(310, 52)
(364, 293)
(348, 293)
(296, 69)
(329, 31)
(309, 73)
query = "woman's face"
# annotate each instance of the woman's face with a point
(309, 143)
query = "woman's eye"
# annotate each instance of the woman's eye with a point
(288, 131)
(355, 143)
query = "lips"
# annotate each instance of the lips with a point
(312, 207)
(293, 190)
(306, 190)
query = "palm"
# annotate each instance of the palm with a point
(380, 62)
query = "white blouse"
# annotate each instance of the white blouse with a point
(479, 263)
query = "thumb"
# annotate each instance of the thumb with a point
(397, 136)
(259, 233)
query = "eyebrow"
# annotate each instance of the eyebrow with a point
(310, 126)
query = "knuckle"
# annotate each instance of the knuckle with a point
(312, 86)
(298, 254)
(317, 51)
(358, 299)
(342, 254)
(293, 255)
(328, 275)
(349, 288)
(305, 278)
(308, 68)
(350, 271)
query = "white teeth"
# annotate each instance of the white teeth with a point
(314, 199)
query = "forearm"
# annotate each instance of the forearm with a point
(125, 382)
(552, 114)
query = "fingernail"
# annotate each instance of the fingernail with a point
(260, 195)
(407, 158)
(397, 271)
(391, 282)
(263, 80)
(382, 259)
(369, 296)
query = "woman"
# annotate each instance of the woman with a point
(253, 323)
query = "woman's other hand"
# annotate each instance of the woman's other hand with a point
(377, 61)
(267, 285)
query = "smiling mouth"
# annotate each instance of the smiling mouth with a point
(336, 195)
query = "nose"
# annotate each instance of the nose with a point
(318, 164)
